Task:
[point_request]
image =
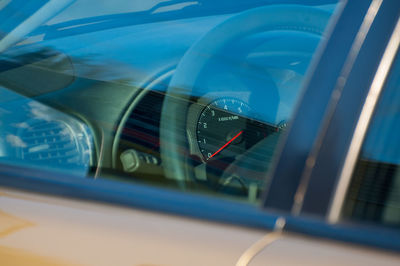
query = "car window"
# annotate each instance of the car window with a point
(190, 95)
(374, 193)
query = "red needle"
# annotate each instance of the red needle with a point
(226, 144)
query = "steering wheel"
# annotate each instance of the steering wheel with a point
(173, 140)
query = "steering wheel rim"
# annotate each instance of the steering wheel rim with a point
(173, 140)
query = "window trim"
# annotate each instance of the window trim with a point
(328, 159)
(293, 157)
(195, 206)
(135, 195)
(374, 94)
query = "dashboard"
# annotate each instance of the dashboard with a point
(117, 82)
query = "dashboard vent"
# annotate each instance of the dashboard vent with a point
(50, 142)
(142, 126)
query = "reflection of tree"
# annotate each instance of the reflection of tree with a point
(166, 10)
(33, 73)
(96, 67)
(42, 70)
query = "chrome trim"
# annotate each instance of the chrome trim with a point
(375, 90)
(335, 96)
(261, 244)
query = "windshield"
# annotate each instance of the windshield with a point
(189, 95)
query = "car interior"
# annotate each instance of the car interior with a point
(196, 103)
(193, 97)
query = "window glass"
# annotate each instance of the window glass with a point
(374, 193)
(192, 95)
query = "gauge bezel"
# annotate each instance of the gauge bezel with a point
(196, 109)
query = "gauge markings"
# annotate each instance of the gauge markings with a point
(225, 124)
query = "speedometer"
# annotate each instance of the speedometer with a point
(221, 128)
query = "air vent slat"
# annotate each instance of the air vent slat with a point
(51, 142)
